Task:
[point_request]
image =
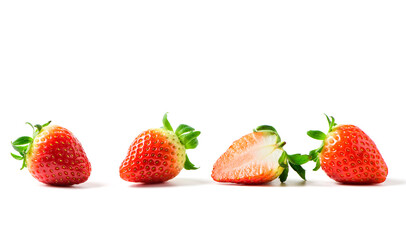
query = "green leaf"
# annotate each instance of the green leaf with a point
(317, 164)
(24, 164)
(284, 175)
(319, 135)
(299, 170)
(299, 159)
(166, 123)
(46, 124)
(23, 144)
(23, 140)
(38, 126)
(282, 160)
(189, 165)
(192, 144)
(265, 128)
(17, 157)
(183, 128)
(30, 125)
(328, 119)
(20, 149)
(331, 122)
(185, 138)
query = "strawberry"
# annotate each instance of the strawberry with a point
(158, 155)
(348, 155)
(257, 158)
(53, 155)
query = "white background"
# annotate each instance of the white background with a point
(107, 70)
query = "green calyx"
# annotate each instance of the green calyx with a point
(319, 135)
(23, 144)
(187, 136)
(285, 160)
(270, 129)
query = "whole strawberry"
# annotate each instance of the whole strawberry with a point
(53, 155)
(348, 155)
(257, 158)
(159, 154)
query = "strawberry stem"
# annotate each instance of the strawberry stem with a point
(281, 144)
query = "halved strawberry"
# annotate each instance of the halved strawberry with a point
(257, 158)
(348, 155)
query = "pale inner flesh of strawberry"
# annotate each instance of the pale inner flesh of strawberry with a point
(252, 156)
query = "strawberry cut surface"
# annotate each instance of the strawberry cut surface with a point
(252, 159)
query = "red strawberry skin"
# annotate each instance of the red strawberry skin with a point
(56, 157)
(155, 156)
(350, 156)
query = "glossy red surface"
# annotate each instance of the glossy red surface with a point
(58, 158)
(350, 156)
(156, 155)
